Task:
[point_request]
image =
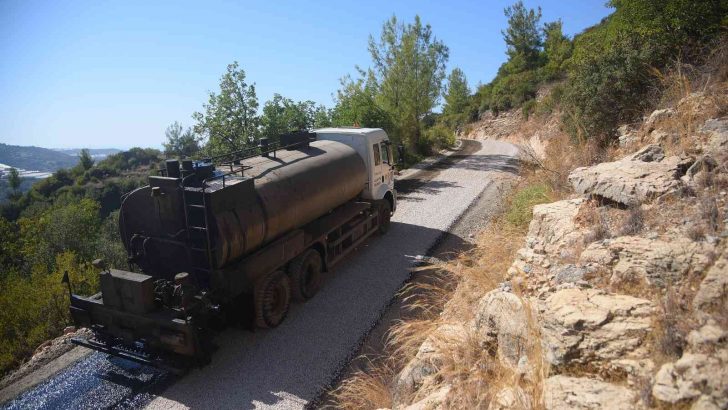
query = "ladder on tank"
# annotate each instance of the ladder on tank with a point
(199, 251)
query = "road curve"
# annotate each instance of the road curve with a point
(289, 366)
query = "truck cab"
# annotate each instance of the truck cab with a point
(373, 145)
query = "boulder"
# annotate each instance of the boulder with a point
(632, 180)
(502, 321)
(562, 393)
(658, 262)
(694, 376)
(590, 326)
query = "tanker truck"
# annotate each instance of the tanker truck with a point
(239, 235)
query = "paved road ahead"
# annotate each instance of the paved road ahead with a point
(288, 366)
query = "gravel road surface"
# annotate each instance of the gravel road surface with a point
(291, 365)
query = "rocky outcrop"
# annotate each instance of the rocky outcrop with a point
(552, 234)
(565, 393)
(712, 296)
(634, 259)
(695, 376)
(635, 179)
(589, 325)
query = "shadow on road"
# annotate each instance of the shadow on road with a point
(296, 360)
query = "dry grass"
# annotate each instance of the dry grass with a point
(366, 389)
(451, 297)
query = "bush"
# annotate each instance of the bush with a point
(610, 70)
(520, 211)
(35, 308)
(439, 136)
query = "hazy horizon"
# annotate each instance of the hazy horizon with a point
(91, 75)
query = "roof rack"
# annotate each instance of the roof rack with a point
(234, 160)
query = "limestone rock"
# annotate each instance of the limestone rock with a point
(426, 361)
(631, 180)
(649, 153)
(657, 261)
(717, 129)
(562, 393)
(510, 398)
(588, 325)
(502, 321)
(656, 118)
(433, 401)
(712, 296)
(626, 135)
(552, 235)
(693, 376)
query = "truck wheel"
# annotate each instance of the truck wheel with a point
(305, 274)
(272, 299)
(385, 214)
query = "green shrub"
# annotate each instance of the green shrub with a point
(520, 211)
(34, 308)
(528, 108)
(610, 69)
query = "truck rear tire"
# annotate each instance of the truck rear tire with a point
(272, 299)
(305, 274)
(385, 214)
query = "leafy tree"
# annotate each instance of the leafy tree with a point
(557, 50)
(322, 117)
(282, 115)
(356, 105)
(409, 66)
(63, 227)
(9, 247)
(180, 142)
(230, 121)
(14, 179)
(523, 36)
(457, 98)
(85, 159)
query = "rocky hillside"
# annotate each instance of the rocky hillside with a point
(618, 295)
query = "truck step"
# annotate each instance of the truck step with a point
(197, 228)
(196, 206)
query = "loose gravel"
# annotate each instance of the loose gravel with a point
(289, 366)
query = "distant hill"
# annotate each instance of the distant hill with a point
(35, 158)
(96, 153)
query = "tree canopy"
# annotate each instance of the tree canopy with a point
(409, 66)
(230, 118)
(181, 142)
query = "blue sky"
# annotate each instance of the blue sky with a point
(115, 74)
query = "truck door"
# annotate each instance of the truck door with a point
(387, 164)
(377, 172)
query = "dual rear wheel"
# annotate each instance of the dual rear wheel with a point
(274, 292)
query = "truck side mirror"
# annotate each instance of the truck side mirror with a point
(400, 155)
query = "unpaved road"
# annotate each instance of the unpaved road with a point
(291, 365)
